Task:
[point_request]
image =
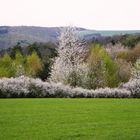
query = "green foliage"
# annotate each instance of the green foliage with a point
(110, 71)
(19, 59)
(45, 51)
(33, 64)
(46, 69)
(102, 69)
(96, 74)
(14, 50)
(130, 41)
(6, 66)
(34, 48)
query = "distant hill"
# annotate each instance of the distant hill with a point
(25, 35)
(10, 36)
(109, 32)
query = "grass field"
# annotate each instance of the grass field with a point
(69, 119)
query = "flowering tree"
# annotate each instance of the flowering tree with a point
(136, 70)
(68, 67)
(133, 84)
(114, 50)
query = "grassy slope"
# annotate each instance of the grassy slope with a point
(69, 119)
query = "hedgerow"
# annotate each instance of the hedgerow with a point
(30, 87)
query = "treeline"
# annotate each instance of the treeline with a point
(93, 66)
(128, 40)
(34, 60)
(88, 65)
(20, 65)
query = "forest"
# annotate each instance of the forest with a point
(100, 69)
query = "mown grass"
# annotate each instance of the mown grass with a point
(69, 119)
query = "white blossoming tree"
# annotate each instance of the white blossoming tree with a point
(133, 84)
(68, 67)
(136, 70)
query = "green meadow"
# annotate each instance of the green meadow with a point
(69, 119)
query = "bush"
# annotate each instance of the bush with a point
(134, 83)
(130, 55)
(134, 87)
(124, 70)
(29, 87)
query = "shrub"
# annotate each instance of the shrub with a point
(134, 87)
(113, 50)
(130, 40)
(124, 70)
(130, 55)
(134, 83)
(29, 87)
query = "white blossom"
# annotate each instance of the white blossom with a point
(114, 49)
(136, 70)
(68, 66)
(29, 87)
(133, 86)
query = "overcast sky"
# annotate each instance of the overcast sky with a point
(92, 14)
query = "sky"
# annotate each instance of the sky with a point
(91, 14)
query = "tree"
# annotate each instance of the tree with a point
(111, 73)
(124, 70)
(102, 70)
(113, 50)
(19, 63)
(67, 66)
(6, 66)
(13, 50)
(96, 67)
(33, 64)
(130, 40)
(136, 70)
